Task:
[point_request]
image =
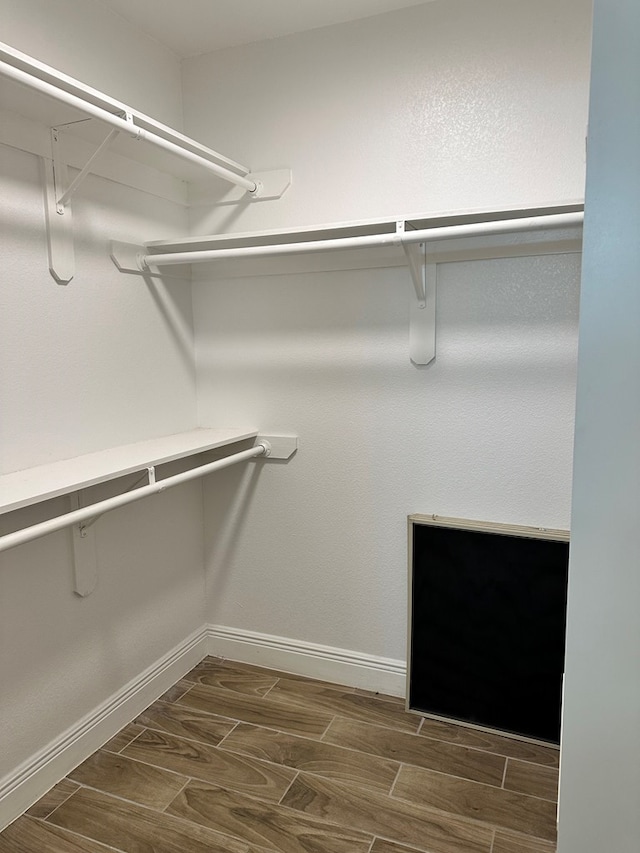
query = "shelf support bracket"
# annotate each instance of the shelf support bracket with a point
(58, 194)
(65, 197)
(422, 308)
(85, 556)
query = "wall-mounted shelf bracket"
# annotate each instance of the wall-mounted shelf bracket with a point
(58, 195)
(422, 310)
(85, 555)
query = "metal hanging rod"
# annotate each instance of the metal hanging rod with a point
(35, 531)
(125, 124)
(398, 238)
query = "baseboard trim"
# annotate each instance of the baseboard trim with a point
(327, 663)
(32, 779)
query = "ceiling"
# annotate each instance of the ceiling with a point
(192, 27)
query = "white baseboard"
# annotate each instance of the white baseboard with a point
(32, 779)
(327, 663)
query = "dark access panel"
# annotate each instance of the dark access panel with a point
(487, 637)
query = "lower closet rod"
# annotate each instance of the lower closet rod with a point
(79, 515)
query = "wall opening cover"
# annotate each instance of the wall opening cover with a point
(487, 625)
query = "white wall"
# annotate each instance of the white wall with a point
(89, 42)
(106, 360)
(449, 105)
(446, 106)
(600, 778)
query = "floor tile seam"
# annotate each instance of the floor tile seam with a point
(189, 779)
(156, 810)
(202, 778)
(490, 787)
(181, 820)
(76, 834)
(298, 770)
(279, 803)
(483, 749)
(448, 776)
(105, 748)
(427, 810)
(504, 773)
(493, 841)
(136, 761)
(281, 706)
(553, 801)
(447, 743)
(391, 724)
(190, 738)
(66, 779)
(526, 793)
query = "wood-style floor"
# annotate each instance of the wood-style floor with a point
(238, 759)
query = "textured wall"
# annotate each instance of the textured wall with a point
(446, 106)
(106, 360)
(87, 41)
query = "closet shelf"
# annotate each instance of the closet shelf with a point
(33, 485)
(420, 243)
(66, 106)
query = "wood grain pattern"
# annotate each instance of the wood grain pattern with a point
(507, 842)
(185, 722)
(52, 799)
(384, 816)
(479, 802)
(141, 783)
(421, 751)
(490, 742)
(371, 709)
(123, 738)
(313, 756)
(175, 692)
(135, 829)
(306, 767)
(380, 845)
(273, 827)
(27, 835)
(241, 773)
(220, 664)
(229, 676)
(273, 713)
(532, 779)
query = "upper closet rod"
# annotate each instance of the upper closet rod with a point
(126, 125)
(399, 237)
(35, 531)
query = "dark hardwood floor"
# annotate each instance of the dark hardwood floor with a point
(238, 759)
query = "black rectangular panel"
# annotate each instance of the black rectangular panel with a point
(488, 615)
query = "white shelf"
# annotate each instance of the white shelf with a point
(517, 243)
(38, 107)
(32, 485)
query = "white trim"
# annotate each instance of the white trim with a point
(327, 663)
(21, 788)
(34, 777)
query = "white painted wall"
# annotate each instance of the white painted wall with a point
(86, 40)
(451, 105)
(104, 361)
(600, 778)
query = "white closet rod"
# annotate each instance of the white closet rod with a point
(35, 531)
(398, 238)
(123, 124)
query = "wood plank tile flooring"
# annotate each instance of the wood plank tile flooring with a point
(240, 759)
